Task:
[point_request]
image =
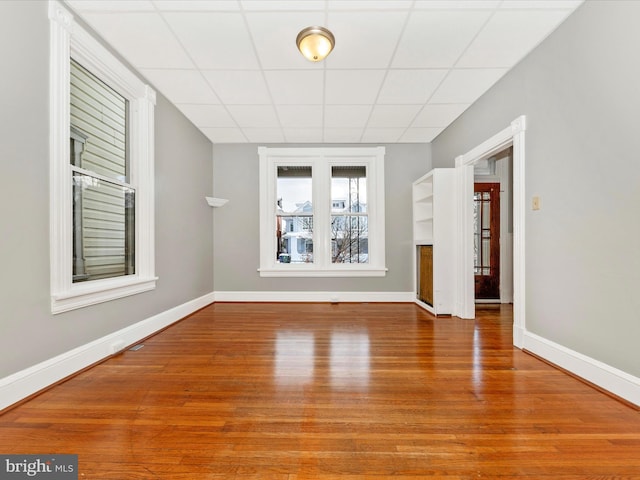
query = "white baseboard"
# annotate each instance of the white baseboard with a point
(31, 380)
(398, 297)
(518, 336)
(20, 385)
(619, 383)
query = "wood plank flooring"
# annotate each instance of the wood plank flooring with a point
(320, 391)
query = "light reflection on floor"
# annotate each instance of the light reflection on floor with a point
(349, 359)
(295, 358)
(344, 359)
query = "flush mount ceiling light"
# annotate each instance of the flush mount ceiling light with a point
(315, 43)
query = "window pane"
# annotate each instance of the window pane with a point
(98, 126)
(294, 194)
(294, 215)
(349, 233)
(349, 239)
(348, 189)
(103, 229)
(295, 238)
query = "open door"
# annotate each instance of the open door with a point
(486, 247)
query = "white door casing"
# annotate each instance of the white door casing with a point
(464, 304)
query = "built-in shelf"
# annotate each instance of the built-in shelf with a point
(433, 234)
(216, 202)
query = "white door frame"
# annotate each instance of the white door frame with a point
(464, 305)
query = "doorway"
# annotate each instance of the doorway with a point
(511, 136)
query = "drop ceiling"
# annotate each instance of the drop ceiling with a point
(401, 71)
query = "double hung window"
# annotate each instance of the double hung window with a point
(101, 167)
(322, 211)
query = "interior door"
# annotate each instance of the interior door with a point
(486, 245)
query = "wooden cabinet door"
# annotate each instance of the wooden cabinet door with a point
(425, 274)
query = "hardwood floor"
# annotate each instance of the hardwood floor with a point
(320, 391)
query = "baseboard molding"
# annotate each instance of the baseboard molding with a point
(29, 381)
(334, 297)
(611, 379)
(518, 336)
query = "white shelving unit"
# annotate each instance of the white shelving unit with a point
(434, 224)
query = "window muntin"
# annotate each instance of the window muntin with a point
(342, 232)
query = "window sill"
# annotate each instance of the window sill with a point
(301, 271)
(98, 291)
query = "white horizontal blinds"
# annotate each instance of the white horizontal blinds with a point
(103, 200)
(348, 171)
(294, 171)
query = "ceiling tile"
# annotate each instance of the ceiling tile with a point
(303, 135)
(393, 115)
(197, 5)
(274, 36)
(349, 116)
(420, 135)
(342, 135)
(239, 87)
(111, 5)
(281, 5)
(181, 86)
(225, 135)
(207, 115)
(254, 115)
(360, 5)
(509, 36)
(295, 86)
(436, 39)
(410, 86)
(456, 4)
(214, 40)
(365, 40)
(353, 87)
(542, 4)
(302, 116)
(382, 135)
(264, 135)
(439, 115)
(466, 85)
(157, 48)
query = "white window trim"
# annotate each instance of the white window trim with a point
(321, 159)
(68, 39)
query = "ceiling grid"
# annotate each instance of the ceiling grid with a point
(401, 71)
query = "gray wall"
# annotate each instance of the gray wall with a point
(28, 332)
(237, 224)
(579, 90)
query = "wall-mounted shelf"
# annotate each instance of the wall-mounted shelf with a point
(216, 202)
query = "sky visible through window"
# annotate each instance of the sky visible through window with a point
(296, 190)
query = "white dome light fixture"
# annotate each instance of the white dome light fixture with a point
(315, 43)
